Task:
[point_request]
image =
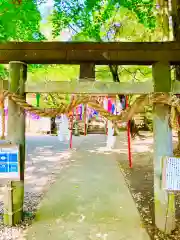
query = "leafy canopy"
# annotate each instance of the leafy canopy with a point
(87, 16)
(20, 22)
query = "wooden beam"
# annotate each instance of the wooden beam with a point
(90, 87)
(16, 135)
(121, 53)
(86, 84)
(164, 202)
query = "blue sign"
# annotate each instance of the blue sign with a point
(9, 162)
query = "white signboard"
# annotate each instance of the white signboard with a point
(63, 129)
(171, 173)
(9, 162)
(110, 138)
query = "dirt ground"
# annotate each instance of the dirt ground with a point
(139, 179)
(140, 182)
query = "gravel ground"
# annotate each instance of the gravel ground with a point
(46, 156)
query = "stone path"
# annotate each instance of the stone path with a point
(89, 200)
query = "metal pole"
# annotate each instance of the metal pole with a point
(129, 138)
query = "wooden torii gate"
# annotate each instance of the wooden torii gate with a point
(160, 55)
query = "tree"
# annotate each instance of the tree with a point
(107, 21)
(20, 22)
(88, 16)
(94, 20)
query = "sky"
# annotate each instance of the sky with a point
(46, 9)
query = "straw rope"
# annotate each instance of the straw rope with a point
(139, 103)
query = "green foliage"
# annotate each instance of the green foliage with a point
(87, 17)
(19, 22)
(3, 72)
(144, 9)
(53, 73)
(103, 73)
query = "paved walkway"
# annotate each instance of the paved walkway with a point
(88, 201)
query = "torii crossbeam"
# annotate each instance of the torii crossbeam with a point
(120, 53)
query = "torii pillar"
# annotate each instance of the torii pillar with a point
(16, 135)
(164, 202)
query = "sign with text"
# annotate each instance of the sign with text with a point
(171, 174)
(9, 162)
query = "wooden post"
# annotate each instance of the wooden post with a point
(3, 121)
(164, 202)
(2, 101)
(16, 135)
(87, 70)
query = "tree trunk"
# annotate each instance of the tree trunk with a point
(53, 126)
(176, 35)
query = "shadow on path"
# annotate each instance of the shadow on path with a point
(89, 200)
